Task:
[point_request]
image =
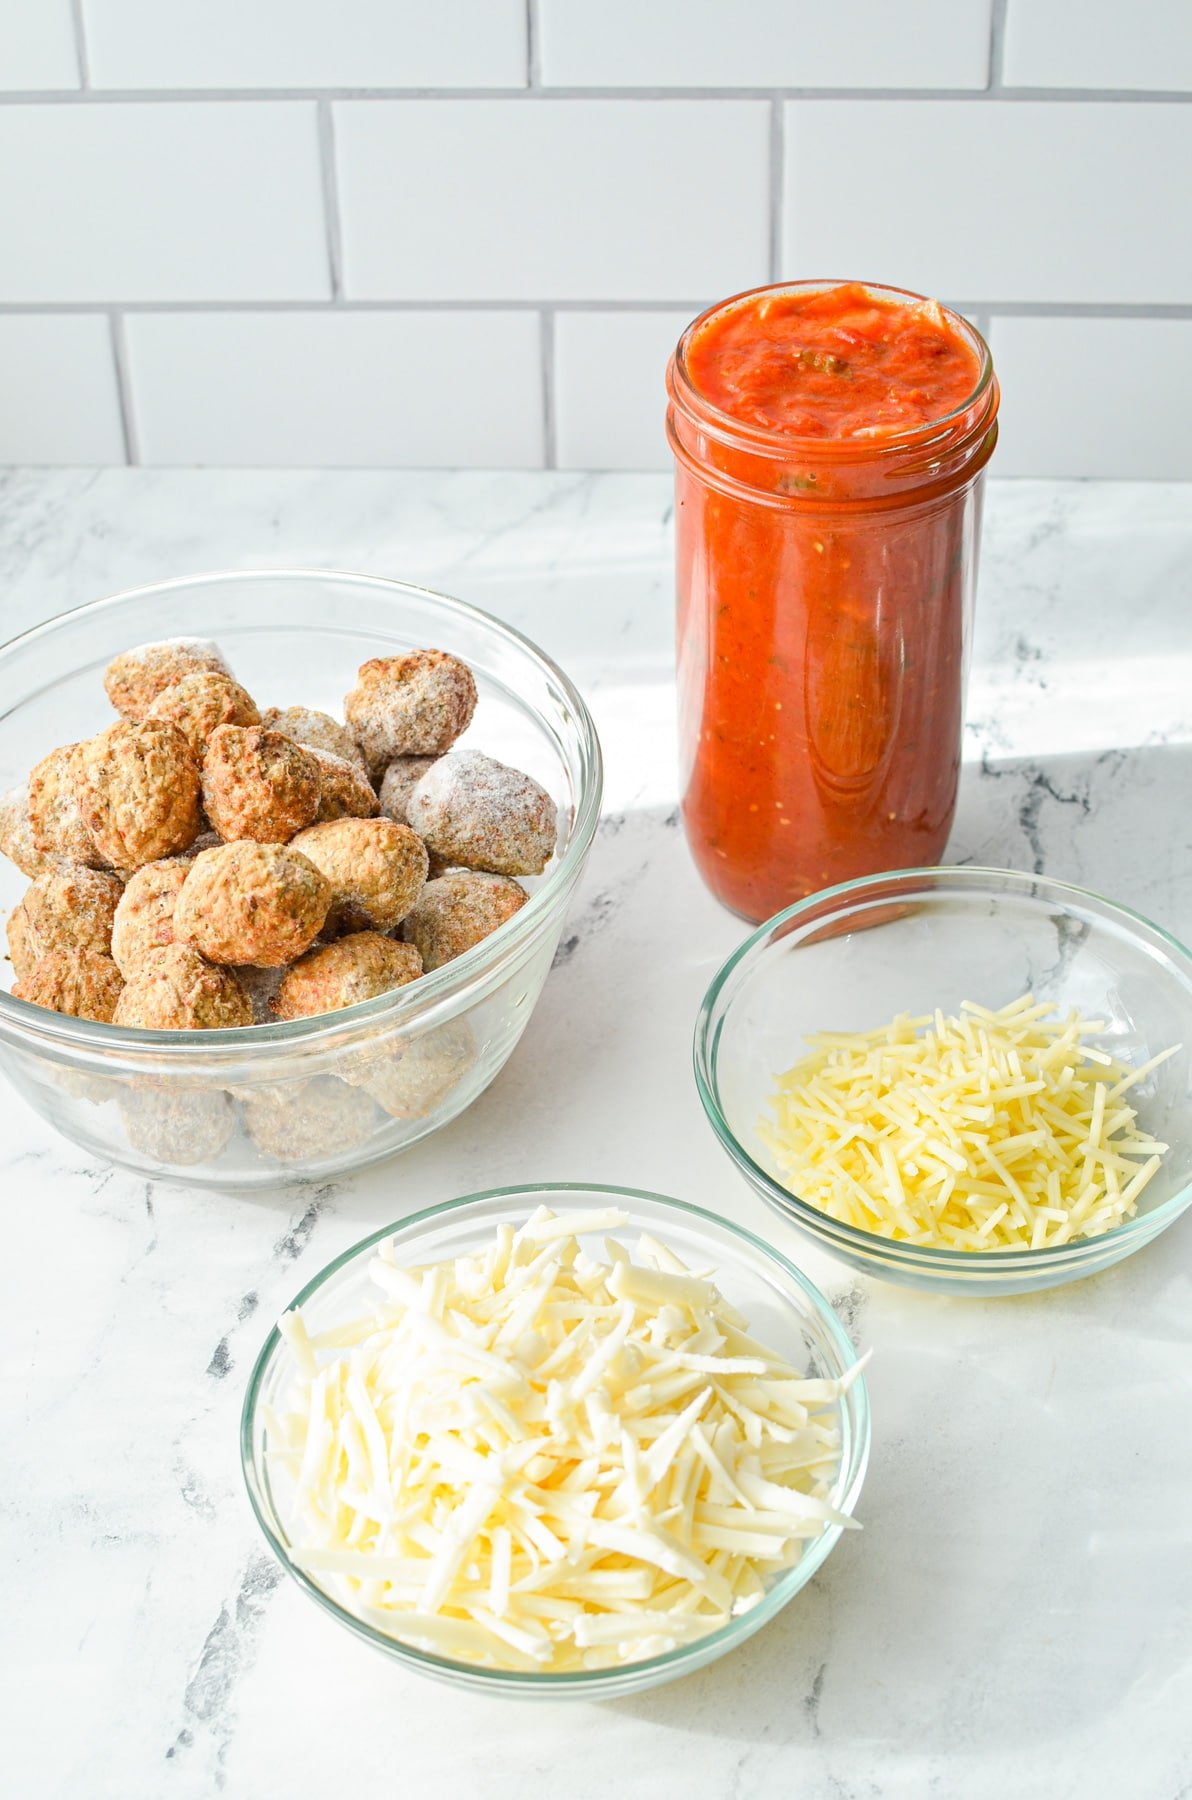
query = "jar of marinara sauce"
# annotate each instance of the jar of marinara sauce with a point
(830, 441)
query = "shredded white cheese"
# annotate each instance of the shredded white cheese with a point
(983, 1131)
(531, 1458)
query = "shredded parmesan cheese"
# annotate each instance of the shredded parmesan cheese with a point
(532, 1459)
(983, 1131)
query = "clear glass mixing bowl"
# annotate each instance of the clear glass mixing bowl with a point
(269, 1103)
(854, 956)
(784, 1310)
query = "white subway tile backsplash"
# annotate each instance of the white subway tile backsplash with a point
(610, 388)
(1018, 200)
(37, 46)
(305, 43)
(58, 379)
(555, 200)
(768, 43)
(162, 202)
(337, 389)
(1098, 44)
(1110, 397)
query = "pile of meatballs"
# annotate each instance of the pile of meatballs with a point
(200, 865)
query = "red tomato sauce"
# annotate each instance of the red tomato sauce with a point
(838, 363)
(824, 587)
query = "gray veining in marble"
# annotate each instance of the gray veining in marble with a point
(1012, 1624)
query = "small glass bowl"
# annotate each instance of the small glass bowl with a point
(853, 956)
(315, 1097)
(783, 1307)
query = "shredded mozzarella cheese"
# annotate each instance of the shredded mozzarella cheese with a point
(983, 1131)
(532, 1459)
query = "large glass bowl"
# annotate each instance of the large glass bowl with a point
(784, 1310)
(259, 1106)
(854, 956)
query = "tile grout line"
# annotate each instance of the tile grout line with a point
(546, 329)
(533, 46)
(331, 218)
(80, 39)
(997, 45)
(1008, 309)
(777, 182)
(128, 419)
(283, 95)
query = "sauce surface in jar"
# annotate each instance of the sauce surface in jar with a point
(828, 445)
(840, 362)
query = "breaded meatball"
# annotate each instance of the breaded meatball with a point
(175, 989)
(481, 814)
(376, 869)
(84, 983)
(142, 792)
(133, 680)
(261, 986)
(355, 968)
(258, 784)
(186, 1126)
(416, 1079)
(57, 807)
(16, 834)
(67, 908)
(317, 730)
(296, 1119)
(21, 953)
(262, 904)
(456, 911)
(399, 782)
(412, 705)
(345, 791)
(199, 703)
(145, 916)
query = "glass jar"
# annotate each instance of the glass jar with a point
(825, 589)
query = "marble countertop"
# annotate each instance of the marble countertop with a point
(1014, 1621)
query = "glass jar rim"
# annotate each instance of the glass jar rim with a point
(953, 426)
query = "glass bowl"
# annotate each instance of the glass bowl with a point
(263, 1105)
(783, 1307)
(854, 956)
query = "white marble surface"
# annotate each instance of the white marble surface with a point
(1014, 1621)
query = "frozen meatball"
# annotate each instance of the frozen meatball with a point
(355, 968)
(69, 908)
(175, 989)
(142, 792)
(186, 1126)
(200, 703)
(317, 730)
(345, 791)
(399, 782)
(16, 834)
(261, 986)
(412, 1082)
(477, 812)
(57, 807)
(246, 902)
(376, 869)
(145, 916)
(84, 983)
(133, 680)
(315, 1118)
(412, 705)
(456, 911)
(258, 784)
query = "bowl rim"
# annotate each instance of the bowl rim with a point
(453, 979)
(577, 1682)
(927, 1257)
